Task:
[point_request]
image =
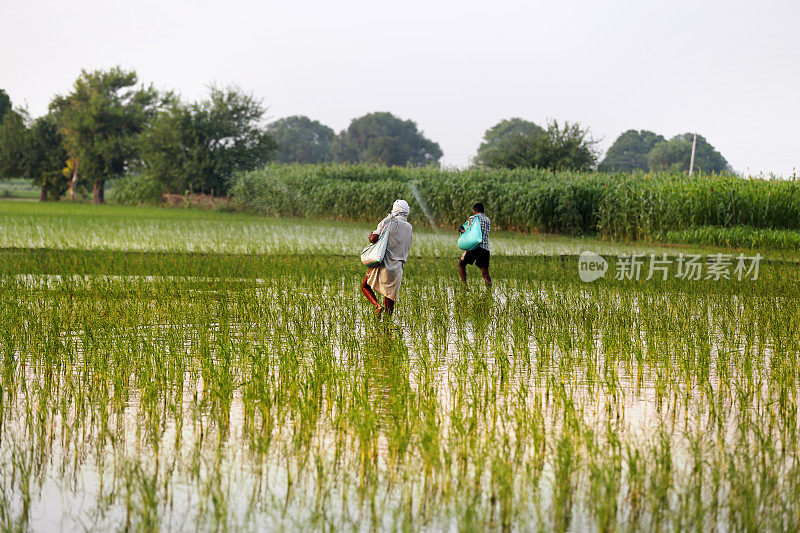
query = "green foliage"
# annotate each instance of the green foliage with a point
(199, 146)
(674, 156)
(138, 189)
(526, 200)
(628, 206)
(383, 138)
(33, 150)
(736, 237)
(45, 158)
(101, 120)
(5, 104)
(644, 150)
(301, 140)
(501, 140)
(518, 144)
(640, 206)
(13, 141)
(630, 151)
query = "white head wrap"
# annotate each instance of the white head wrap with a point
(400, 207)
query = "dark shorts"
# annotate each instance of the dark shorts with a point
(479, 256)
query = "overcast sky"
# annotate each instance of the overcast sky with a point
(729, 70)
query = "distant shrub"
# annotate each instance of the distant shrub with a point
(138, 189)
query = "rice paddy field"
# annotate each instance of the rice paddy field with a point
(182, 370)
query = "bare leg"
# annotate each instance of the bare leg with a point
(388, 303)
(367, 290)
(486, 277)
(462, 271)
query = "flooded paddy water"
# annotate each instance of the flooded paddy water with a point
(211, 400)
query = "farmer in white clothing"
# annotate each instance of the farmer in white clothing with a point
(385, 278)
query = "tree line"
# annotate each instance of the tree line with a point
(110, 126)
(512, 143)
(647, 151)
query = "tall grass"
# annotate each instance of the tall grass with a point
(628, 206)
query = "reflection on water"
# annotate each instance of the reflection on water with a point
(178, 405)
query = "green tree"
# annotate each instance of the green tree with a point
(630, 151)
(100, 121)
(5, 104)
(675, 154)
(383, 138)
(46, 158)
(502, 139)
(567, 147)
(301, 140)
(33, 150)
(199, 146)
(13, 140)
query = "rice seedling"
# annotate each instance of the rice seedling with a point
(163, 389)
(139, 229)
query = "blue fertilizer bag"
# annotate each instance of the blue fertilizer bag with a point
(472, 236)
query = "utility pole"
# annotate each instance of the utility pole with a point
(691, 161)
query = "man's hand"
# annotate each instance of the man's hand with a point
(373, 238)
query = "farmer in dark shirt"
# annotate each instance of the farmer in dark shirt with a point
(480, 255)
